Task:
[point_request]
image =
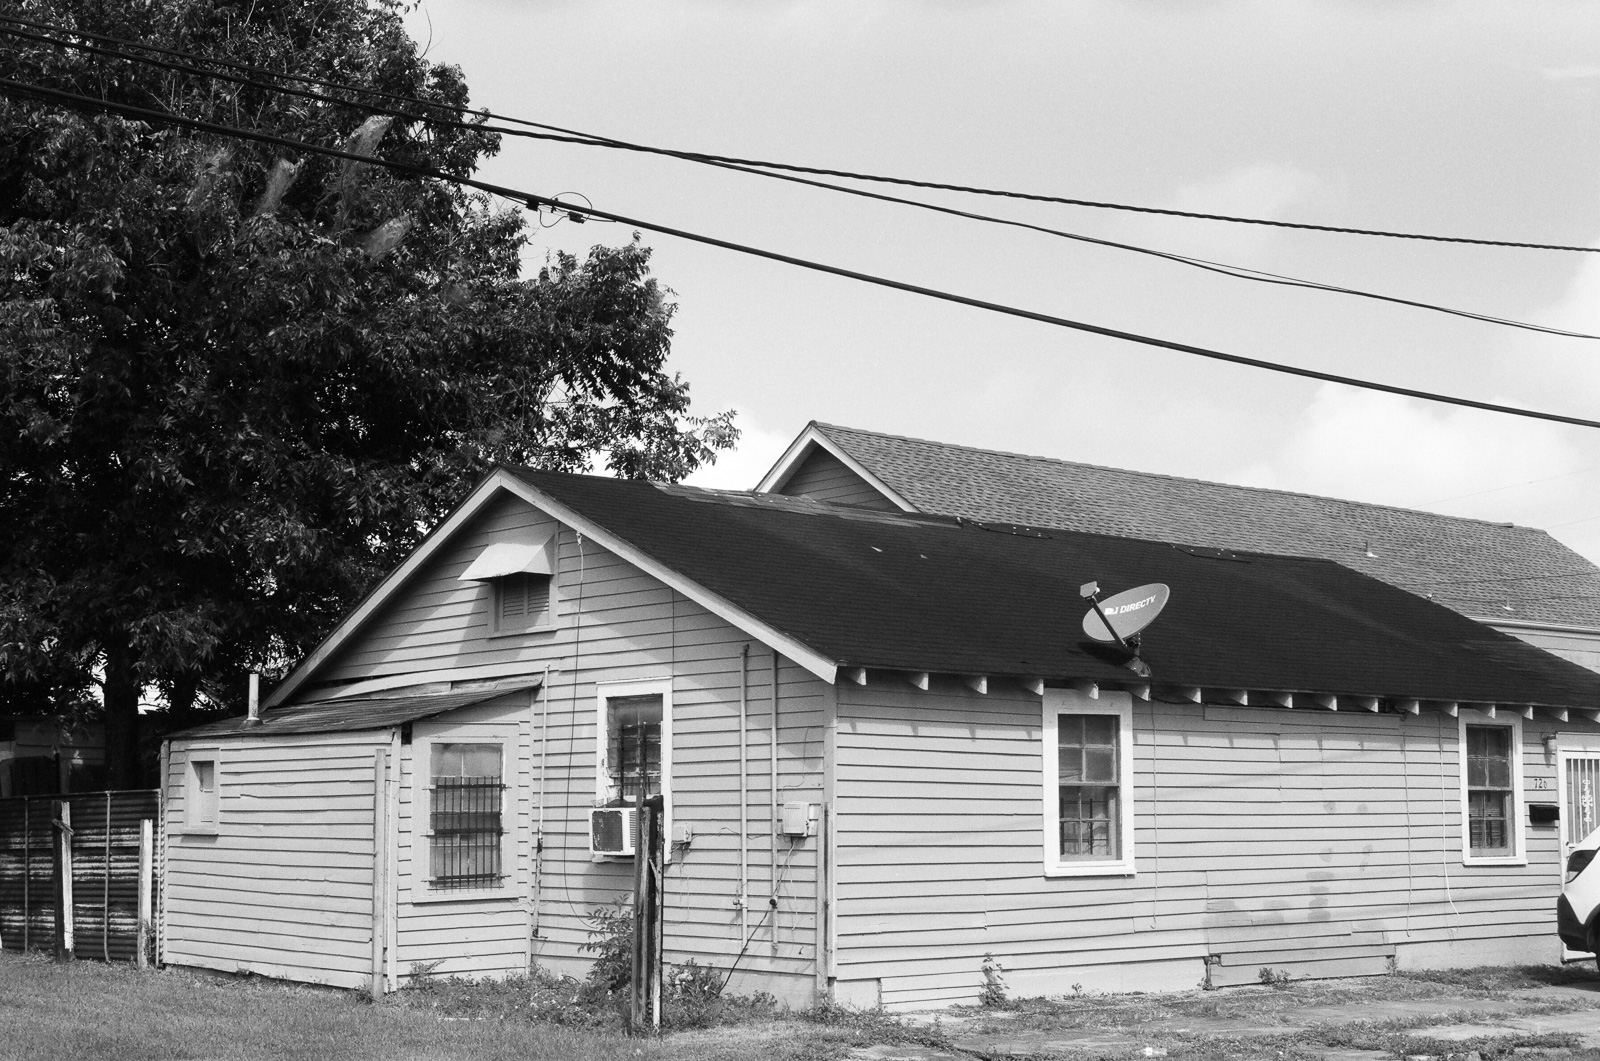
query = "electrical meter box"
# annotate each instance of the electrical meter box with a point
(800, 819)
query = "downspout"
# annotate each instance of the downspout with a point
(538, 832)
(744, 786)
(773, 845)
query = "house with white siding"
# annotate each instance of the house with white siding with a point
(887, 748)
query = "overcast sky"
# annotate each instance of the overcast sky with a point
(1474, 119)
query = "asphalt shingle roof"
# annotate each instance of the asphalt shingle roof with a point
(936, 593)
(1494, 571)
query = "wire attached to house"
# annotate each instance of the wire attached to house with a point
(742, 166)
(534, 201)
(772, 906)
(563, 134)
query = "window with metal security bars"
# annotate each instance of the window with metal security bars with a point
(1490, 803)
(467, 787)
(633, 759)
(1088, 758)
(521, 602)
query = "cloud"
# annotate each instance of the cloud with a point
(742, 467)
(1570, 73)
(1386, 449)
(1269, 191)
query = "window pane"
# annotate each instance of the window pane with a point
(1100, 729)
(1071, 765)
(1488, 821)
(1089, 822)
(1100, 764)
(1488, 757)
(205, 776)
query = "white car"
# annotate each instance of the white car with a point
(1578, 909)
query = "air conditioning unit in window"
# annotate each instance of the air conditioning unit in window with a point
(611, 830)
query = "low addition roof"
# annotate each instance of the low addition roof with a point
(943, 594)
(1493, 571)
(354, 715)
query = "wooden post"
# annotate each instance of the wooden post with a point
(61, 874)
(641, 875)
(147, 846)
(27, 873)
(105, 891)
(380, 865)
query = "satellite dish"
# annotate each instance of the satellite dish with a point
(1127, 612)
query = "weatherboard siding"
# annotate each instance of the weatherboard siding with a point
(1320, 842)
(283, 887)
(612, 622)
(827, 478)
(1581, 648)
(488, 934)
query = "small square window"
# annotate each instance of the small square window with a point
(521, 602)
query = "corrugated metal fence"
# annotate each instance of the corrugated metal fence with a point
(105, 871)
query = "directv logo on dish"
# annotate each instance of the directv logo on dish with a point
(1123, 609)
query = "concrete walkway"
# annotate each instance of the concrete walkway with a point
(1436, 1023)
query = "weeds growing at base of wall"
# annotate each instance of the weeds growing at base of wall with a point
(691, 994)
(994, 994)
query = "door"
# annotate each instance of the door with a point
(1578, 774)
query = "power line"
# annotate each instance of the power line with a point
(593, 140)
(531, 199)
(1223, 269)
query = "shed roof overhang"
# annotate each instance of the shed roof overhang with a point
(353, 715)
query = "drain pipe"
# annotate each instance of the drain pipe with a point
(744, 785)
(773, 844)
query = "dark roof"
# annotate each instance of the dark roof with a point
(1488, 570)
(341, 716)
(933, 593)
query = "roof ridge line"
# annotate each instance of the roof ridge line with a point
(1182, 478)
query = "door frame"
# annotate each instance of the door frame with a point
(1571, 744)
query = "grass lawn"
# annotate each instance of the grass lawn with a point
(86, 1011)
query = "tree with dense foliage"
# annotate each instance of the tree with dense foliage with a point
(236, 386)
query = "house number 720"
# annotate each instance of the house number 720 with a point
(1541, 784)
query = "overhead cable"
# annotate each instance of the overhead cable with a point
(591, 139)
(1221, 268)
(533, 200)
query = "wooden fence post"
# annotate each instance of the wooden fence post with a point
(142, 942)
(61, 871)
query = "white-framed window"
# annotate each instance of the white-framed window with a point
(633, 743)
(1493, 832)
(1088, 784)
(201, 793)
(463, 796)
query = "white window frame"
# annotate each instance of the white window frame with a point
(194, 818)
(1519, 800)
(1058, 702)
(500, 628)
(422, 890)
(605, 692)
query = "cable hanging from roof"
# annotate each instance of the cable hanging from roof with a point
(1220, 268)
(576, 136)
(535, 201)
